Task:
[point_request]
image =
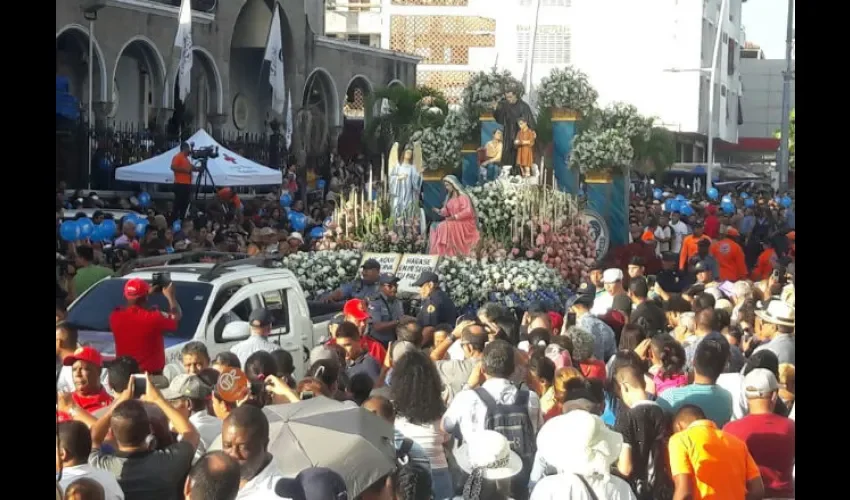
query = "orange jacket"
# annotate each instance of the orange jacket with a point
(689, 249)
(764, 265)
(730, 259)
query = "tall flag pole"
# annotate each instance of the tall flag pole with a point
(184, 41)
(274, 55)
(289, 123)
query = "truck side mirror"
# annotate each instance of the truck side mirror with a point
(235, 331)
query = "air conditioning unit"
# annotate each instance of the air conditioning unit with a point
(92, 6)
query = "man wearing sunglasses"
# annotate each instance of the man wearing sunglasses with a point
(385, 309)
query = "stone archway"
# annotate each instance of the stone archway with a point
(250, 90)
(205, 101)
(320, 91)
(138, 80)
(356, 96)
(72, 49)
(396, 83)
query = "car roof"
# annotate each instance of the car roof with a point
(199, 272)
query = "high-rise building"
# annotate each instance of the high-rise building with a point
(655, 54)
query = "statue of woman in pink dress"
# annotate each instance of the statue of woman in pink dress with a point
(458, 233)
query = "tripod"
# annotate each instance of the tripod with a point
(204, 178)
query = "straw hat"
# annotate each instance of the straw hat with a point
(778, 313)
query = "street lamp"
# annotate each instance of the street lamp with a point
(712, 79)
(90, 9)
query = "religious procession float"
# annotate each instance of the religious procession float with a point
(466, 192)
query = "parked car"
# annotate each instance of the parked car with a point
(216, 299)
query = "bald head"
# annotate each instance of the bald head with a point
(380, 406)
(214, 477)
(85, 488)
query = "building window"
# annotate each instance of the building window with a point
(723, 90)
(361, 39)
(441, 39)
(551, 44)
(546, 3)
(430, 3)
(733, 50)
(724, 38)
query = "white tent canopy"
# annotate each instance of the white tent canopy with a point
(229, 169)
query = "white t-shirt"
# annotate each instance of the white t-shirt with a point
(209, 428)
(681, 230)
(663, 233)
(429, 437)
(262, 486)
(110, 485)
(569, 487)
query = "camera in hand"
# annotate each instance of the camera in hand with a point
(204, 153)
(305, 395)
(140, 386)
(161, 279)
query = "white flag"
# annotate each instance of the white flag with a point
(274, 55)
(289, 120)
(184, 41)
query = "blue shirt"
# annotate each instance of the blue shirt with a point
(604, 340)
(437, 308)
(364, 364)
(358, 289)
(715, 401)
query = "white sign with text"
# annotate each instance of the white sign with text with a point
(412, 265)
(389, 261)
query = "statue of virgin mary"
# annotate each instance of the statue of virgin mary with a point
(405, 182)
(458, 233)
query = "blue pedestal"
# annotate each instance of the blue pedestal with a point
(469, 172)
(563, 131)
(611, 201)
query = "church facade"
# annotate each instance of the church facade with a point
(134, 62)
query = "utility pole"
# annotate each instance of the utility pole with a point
(787, 76)
(712, 81)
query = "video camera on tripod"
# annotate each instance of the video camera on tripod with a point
(204, 153)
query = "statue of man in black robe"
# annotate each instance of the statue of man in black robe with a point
(508, 112)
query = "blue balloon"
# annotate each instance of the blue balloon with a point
(86, 228)
(177, 226)
(141, 228)
(713, 193)
(786, 201)
(132, 217)
(144, 199)
(317, 233)
(726, 199)
(320, 184)
(108, 227)
(727, 207)
(285, 200)
(671, 206)
(744, 195)
(298, 221)
(657, 193)
(686, 210)
(749, 202)
(69, 230)
(680, 197)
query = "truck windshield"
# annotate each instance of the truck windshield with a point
(92, 311)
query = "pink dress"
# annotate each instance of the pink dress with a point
(458, 234)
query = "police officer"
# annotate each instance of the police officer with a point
(670, 279)
(361, 288)
(437, 306)
(385, 309)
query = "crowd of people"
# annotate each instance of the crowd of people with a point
(669, 374)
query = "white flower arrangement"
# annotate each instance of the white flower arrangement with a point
(441, 146)
(626, 118)
(485, 89)
(323, 271)
(496, 203)
(567, 88)
(600, 150)
(471, 282)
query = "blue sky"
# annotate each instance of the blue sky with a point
(765, 22)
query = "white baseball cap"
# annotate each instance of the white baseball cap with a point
(612, 275)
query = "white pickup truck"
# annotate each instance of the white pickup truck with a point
(216, 299)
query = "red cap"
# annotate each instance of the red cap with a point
(731, 231)
(136, 288)
(557, 321)
(87, 354)
(356, 308)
